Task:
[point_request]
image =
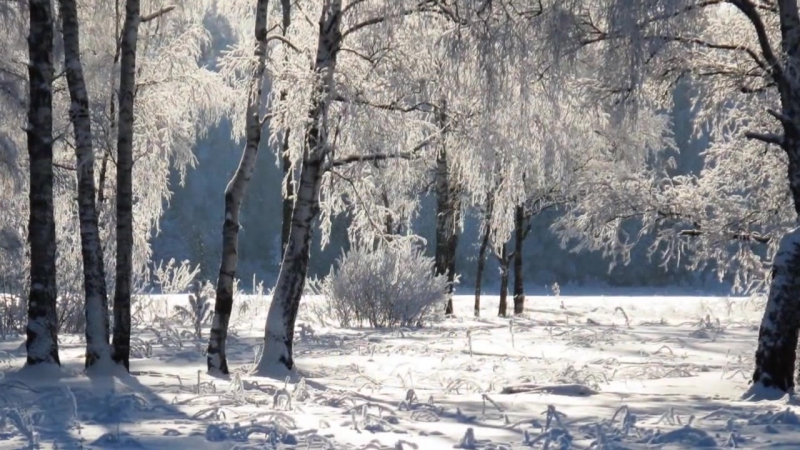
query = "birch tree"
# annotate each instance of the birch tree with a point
(742, 56)
(41, 333)
(98, 351)
(127, 87)
(177, 98)
(234, 194)
(329, 139)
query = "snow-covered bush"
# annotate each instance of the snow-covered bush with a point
(384, 286)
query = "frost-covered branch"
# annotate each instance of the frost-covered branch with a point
(156, 14)
(738, 236)
(769, 138)
(749, 9)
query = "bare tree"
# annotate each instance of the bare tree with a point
(41, 333)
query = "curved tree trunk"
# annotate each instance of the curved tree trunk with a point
(124, 274)
(98, 351)
(519, 239)
(41, 332)
(504, 262)
(279, 332)
(234, 194)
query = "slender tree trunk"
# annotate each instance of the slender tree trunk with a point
(42, 329)
(98, 351)
(482, 253)
(279, 332)
(388, 220)
(286, 162)
(101, 196)
(287, 202)
(447, 217)
(234, 194)
(124, 274)
(504, 262)
(519, 238)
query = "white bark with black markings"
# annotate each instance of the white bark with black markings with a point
(41, 332)
(278, 337)
(124, 267)
(98, 350)
(234, 195)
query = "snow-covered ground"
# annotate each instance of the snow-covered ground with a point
(599, 372)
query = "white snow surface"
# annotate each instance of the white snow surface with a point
(576, 375)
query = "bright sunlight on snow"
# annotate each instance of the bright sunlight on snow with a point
(573, 372)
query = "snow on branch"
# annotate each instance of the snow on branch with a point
(382, 156)
(735, 236)
(749, 9)
(156, 14)
(424, 6)
(396, 105)
(371, 157)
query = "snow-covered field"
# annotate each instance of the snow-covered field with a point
(599, 372)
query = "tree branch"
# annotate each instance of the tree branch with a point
(735, 236)
(713, 45)
(751, 12)
(381, 156)
(424, 6)
(371, 157)
(769, 138)
(278, 37)
(156, 14)
(393, 106)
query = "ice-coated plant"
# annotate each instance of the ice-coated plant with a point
(387, 286)
(199, 308)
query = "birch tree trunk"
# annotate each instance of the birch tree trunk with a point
(41, 332)
(279, 332)
(127, 86)
(98, 351)
(447, 211)
(234, 194)
(482, 254)
(286, 162)
(504, 261)
(778, 335)
(519, 239)
(287, 203)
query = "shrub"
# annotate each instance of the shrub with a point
(386, 286)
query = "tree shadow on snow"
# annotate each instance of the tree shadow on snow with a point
(60, 406)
